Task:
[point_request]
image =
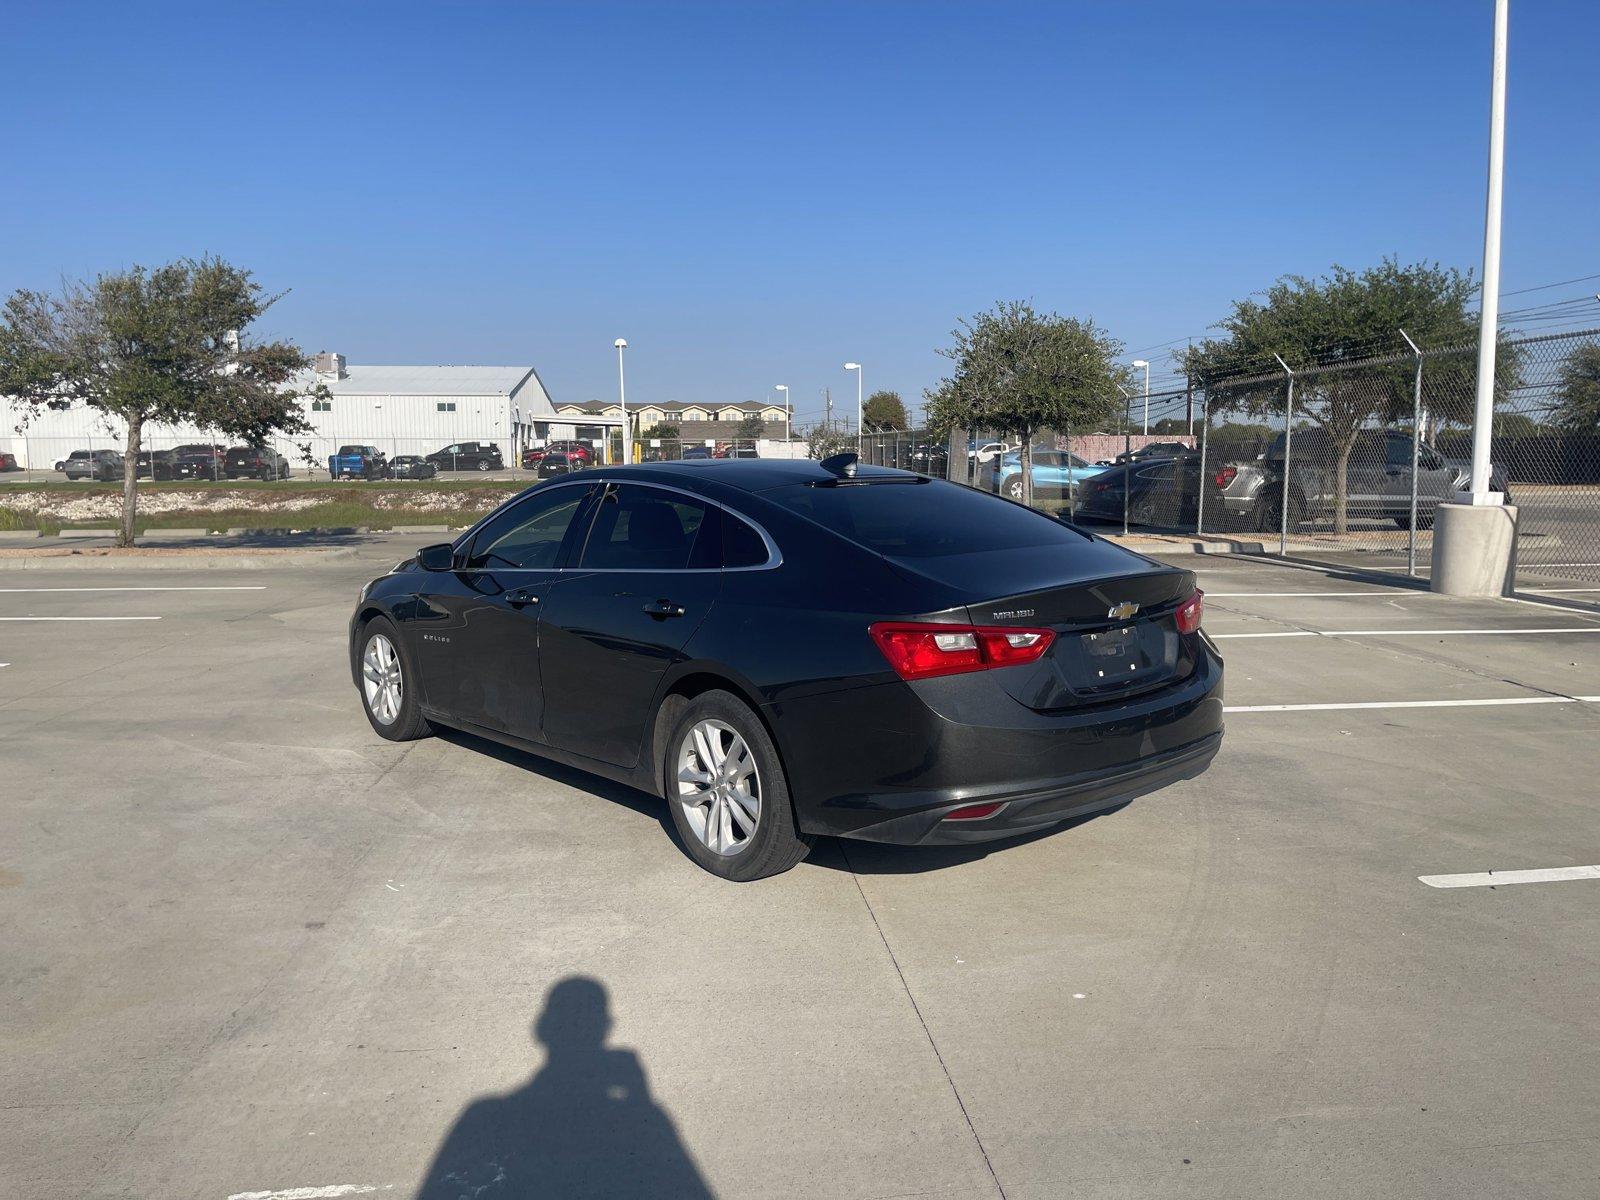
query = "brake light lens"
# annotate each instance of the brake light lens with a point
(975, 812)
(1190, 612)
(922, 651)
(1226, 476)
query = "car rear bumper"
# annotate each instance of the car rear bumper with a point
(889, 763)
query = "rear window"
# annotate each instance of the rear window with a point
(926, 520)
(350, 449)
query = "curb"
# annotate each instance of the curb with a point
(88, 560)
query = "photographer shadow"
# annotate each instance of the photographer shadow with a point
(584, 1125)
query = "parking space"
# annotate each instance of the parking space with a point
(251, 948)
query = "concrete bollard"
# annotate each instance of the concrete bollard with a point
(1475, 549)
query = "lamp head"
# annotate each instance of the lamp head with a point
(621, 343)
(852, 366)
(1139, 362)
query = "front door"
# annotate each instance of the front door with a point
(477, 627)
(622, 614)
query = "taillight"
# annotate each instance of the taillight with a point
(975, 812)
(1190, 611)
(1225, 476)
(921, 651)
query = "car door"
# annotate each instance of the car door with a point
(476, 628)
(645, 578)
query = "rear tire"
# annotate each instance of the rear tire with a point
(483, 464)
(384, 661)
(710, 801)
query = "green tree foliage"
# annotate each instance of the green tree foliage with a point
(1343, 318)
(1018, 370)
(168, 345)
(751, 428)
(1578, 392)
(664, 430)
(884, 411)
(822, 441)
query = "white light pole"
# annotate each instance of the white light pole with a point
(784, 388)
(622, 396)
(860, 427)
(1489, 316)
(1139, 362)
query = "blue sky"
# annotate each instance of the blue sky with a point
(754, 193)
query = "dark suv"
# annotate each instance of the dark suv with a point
(468, 456)
(255, 462)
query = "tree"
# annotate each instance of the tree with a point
(666, 431)
(823, 441)
(884, 411)
(169, 345)
(751, 428)
(1340, 319)
(1019, 371)
(1578, 391)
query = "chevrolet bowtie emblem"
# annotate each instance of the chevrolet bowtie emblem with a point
(1121, 612)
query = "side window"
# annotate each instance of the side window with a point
(642, 529)
(1398, 452)
(528, 534)
(741, 545)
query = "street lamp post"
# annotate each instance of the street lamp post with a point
(787, 411)
(1139, 362)
(622, 397)
(860, 426)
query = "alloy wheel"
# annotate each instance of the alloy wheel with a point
(381, 680)
(719, 787)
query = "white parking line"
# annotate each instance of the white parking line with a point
(1345, 633)
(1362, 704)
(249, 587)
(1557, 591)
(1278, 595)
(314, 1193)
(80, 618)
(1496, 878)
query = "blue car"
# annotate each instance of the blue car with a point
(1056, 474)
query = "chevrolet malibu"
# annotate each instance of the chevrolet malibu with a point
(782, 650)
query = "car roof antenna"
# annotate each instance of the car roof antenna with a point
(842, 465)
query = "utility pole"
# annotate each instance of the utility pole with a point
(827, 394)
(1188, 389)
(1489, 314)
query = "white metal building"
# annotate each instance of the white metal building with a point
(400, 409)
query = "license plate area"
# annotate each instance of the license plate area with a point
(1127, 658)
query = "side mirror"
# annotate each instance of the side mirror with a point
(441, 557)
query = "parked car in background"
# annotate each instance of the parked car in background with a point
(736, 451)
(930, 458)
(1498, 480)
(198, 464)
(1161, 491)
(1377, 481)
(8, 462)
(1154, 450)
(357, 462)
(689, 453)
(556, 462)
(156, 464)
(787, 649)
(468, 456)
(255, 462)
(983, 453)
(103, 466)
(1056, 474)
(208, 449)
(411, 466)
(61, 465)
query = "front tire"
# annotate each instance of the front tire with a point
(388, 684)
(727, 791)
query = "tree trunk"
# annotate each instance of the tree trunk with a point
(1341, 486)
(1026, 456)
(130, 481)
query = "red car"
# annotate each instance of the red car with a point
(8, 462)
(576, 452)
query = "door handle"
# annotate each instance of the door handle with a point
(519, 597)
(664, 608)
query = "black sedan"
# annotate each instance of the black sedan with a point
(786, 649)
(410, 466)
(1157, 493)
(557, 462)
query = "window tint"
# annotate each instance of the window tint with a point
(741, 545)
(642, 529)
(923, 520)
(1398, 450)
(528, 534)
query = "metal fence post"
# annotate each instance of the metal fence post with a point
(1416, 453)
(1127, 466)
(1200, 497)
(1288, 432)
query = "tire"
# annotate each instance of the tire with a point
(483, 464)
(407, 722)
(773, 845)
(1011, 489)
(1269, 506)
(1424, 519)
(266, 475)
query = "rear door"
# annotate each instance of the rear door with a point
(646, 577)
(476, 629)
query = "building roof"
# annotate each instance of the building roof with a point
(366, 379)
(597, 406)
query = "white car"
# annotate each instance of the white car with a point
(987, 452)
